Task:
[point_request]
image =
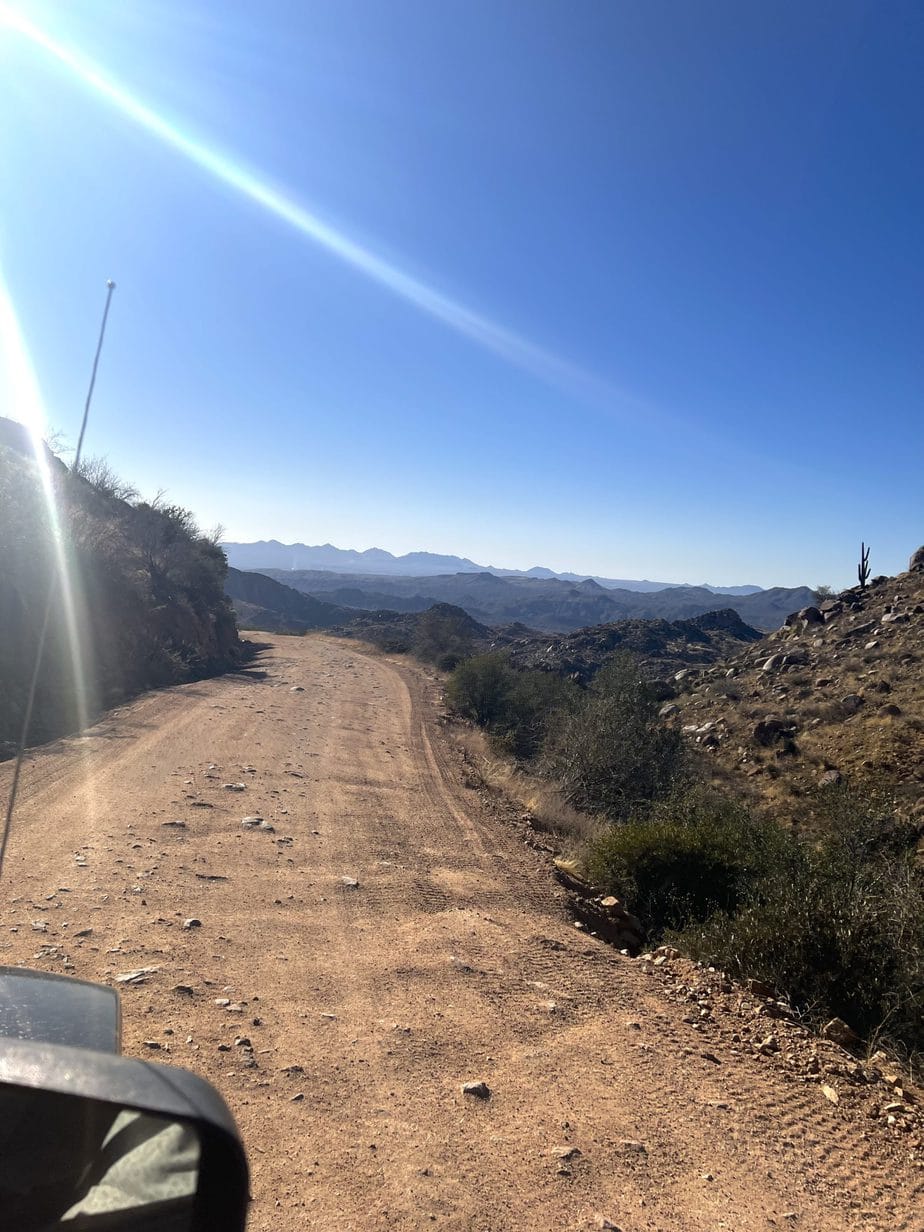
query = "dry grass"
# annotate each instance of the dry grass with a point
(570, 832)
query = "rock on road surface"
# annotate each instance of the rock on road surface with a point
(390, 939)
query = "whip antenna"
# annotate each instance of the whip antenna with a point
(49, 604)
(110, 287)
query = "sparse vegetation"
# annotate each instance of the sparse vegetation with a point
(793, 866)
(613, 753)
(837, 925)
(516, 708)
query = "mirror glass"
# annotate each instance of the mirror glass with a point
(84, 1165)
(57, 1009)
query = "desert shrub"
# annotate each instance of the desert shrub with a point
(730, 689)
(687, 857)
(389, 642)
(517, 708)
(535, 702)
(479, 689)
(612, 752)
(838, 924)
(98, 474)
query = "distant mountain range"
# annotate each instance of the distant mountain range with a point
(550, 604)
(269, 555)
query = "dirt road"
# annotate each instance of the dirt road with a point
(368, 1005)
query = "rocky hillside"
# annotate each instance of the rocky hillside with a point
(662, 647)
(834, 696)
(139, 602)
(439, 631)
(262, 603)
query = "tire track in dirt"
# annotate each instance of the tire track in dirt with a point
(451, 959)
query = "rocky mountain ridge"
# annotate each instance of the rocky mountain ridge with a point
(541, 603)
(260, 602)
(661, 647)
(265, 555)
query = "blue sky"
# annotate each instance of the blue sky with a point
(626, 288)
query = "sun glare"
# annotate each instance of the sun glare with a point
(22, 401)
(503, 342)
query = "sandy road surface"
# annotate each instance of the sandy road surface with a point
(452, 960)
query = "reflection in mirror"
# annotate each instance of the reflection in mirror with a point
(88, 1166)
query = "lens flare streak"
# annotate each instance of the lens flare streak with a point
(503, 342)
(23, 402)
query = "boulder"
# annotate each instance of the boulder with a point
(772, 730)
(840, 1033)
(917, 559)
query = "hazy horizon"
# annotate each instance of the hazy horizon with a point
(490, 565)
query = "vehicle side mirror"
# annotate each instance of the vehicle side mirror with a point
(93, 1142)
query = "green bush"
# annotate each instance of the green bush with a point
(688, 857)
(612, 752)
(480, 687)
(535, 702)
(516, 708)
(840, 929)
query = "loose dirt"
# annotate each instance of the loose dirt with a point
(390, 939)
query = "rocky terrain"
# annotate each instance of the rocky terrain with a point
(834, 696)
(662, 647)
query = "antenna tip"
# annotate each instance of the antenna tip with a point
(110, 284)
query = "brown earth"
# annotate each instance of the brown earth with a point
(620, 1090)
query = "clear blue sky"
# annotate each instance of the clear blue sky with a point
(625, 288)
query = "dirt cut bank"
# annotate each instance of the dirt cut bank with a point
(383, 938)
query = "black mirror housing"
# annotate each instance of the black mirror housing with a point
(63, 1085)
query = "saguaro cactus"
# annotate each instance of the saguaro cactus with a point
(863, 566)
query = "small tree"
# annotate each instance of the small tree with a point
(614, 753)
(480, 687)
